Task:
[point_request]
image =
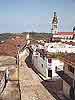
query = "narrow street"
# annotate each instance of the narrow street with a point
(11, 91)
(30, 84)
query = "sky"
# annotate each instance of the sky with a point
(36, 15)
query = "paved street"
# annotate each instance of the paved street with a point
(11, 91)
(30, 84)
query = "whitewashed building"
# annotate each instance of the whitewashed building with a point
(45, 64)
(65, 35)
(59, 47)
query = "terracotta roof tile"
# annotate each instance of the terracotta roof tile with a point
(10, 46)
(69, 58)
(66, 33)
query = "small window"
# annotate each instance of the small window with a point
(49, 60)
(71, 69)
(43, 57)
(49, 73)
(40, 55)
(42, 65)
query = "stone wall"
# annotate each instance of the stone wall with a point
(2, 83)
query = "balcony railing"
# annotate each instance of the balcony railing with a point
(65, 77)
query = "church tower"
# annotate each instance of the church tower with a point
(54, 28)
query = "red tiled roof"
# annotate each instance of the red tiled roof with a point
(66, 33)
(9, 47)
(69, 58)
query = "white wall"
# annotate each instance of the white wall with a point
(59, 49)
(63, 36)
(58, 63)
(37, 62)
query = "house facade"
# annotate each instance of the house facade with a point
(45, 64)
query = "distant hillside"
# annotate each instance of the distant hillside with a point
(5, 36)
(36, 35)
(33, 35)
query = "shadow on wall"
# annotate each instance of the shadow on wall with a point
(30, 65)
(28, 62)
(53, 86)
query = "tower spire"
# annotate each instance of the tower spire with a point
(54, 13)
(54, 29)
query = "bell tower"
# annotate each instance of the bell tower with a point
(54, 28)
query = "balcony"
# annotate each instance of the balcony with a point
(65, 77)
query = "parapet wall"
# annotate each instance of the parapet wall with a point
(2, 83)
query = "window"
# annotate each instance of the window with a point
(40, 55)
(49, 73)
(71, 69)
(42, 65)
(43, 57)
(49, 60)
